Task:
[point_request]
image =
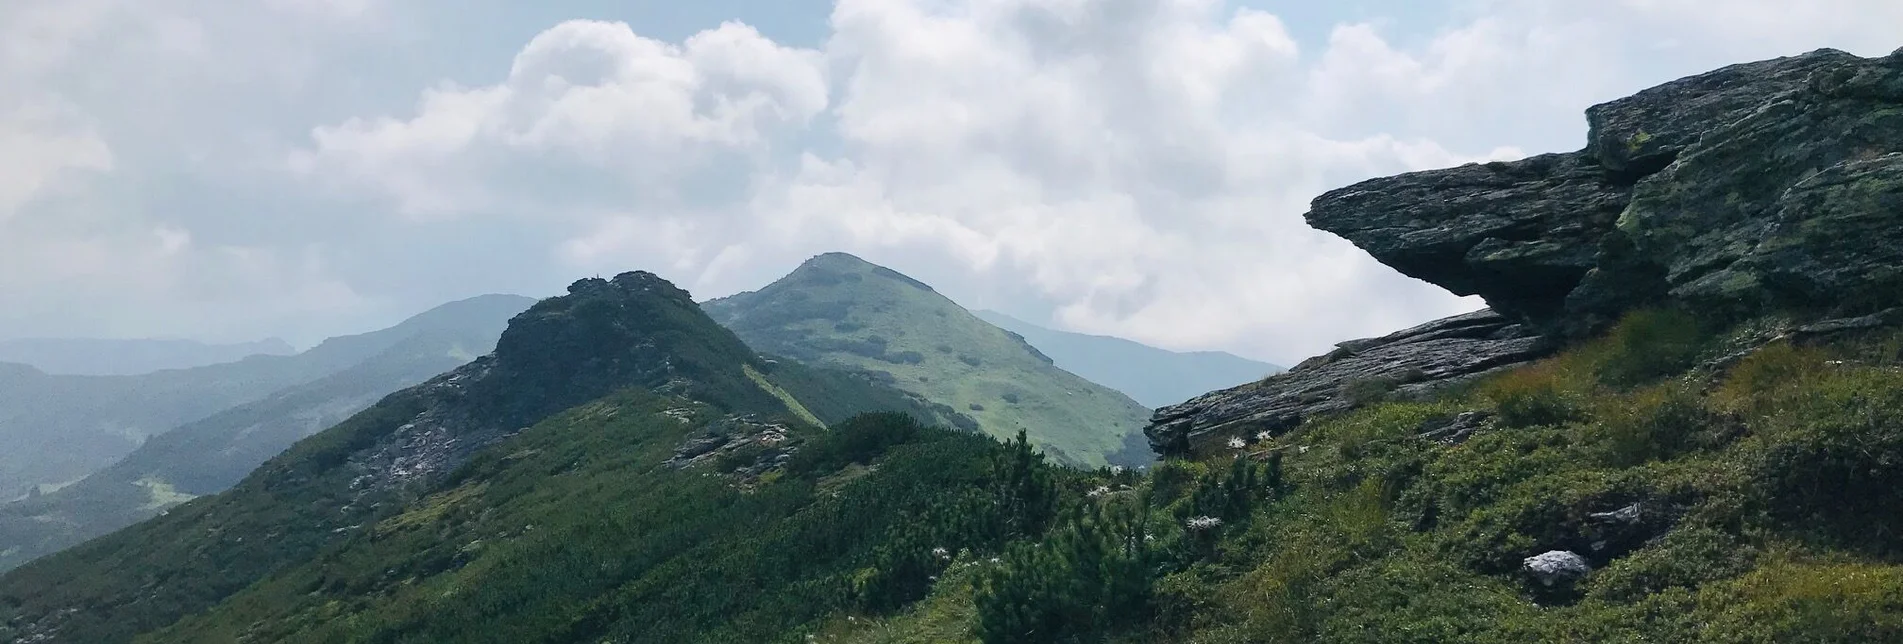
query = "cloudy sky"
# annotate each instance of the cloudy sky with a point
(302, 168)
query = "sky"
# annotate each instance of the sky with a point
(305, 168)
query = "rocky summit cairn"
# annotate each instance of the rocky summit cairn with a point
(1766, 187)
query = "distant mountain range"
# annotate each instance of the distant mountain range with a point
(840, 311)
(103, 357)
(209, 455)
(61, 428)
(1154, 377)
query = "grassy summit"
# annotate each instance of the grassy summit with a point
(840, 311)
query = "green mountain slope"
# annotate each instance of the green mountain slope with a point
(212, 454)
(59, 429)
(101, 357)
(377, 485)
(1151, 376)
(840, 311)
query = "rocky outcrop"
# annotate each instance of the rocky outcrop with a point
(1521, 235)
(634, 331)
(1409, 363)
(746, 445)
(1773, 186)
(1761, 185)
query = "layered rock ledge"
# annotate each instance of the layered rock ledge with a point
(1767, 187)
(1405, 364)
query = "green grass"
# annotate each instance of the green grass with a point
(842, 312)
(799, 410)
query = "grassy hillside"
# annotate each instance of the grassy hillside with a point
(1717, 488)
(210, 455)
(840, 311)
(1153, 377)
(59, 429)
(1709, 486)
(641, 349)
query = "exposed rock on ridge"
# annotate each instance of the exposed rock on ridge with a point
(1772, 186)
(1731, 189)
(1408, 363)
(637, 330)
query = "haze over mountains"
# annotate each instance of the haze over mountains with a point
(208, 455)
(104, 357)
(61, 428)
(1153, 377)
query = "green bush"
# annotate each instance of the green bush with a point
(1650, 344)
(1092, 577)
(1655, 423)
(1831, 459)
(1537, 395)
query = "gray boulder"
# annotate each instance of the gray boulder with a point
(1556, 568)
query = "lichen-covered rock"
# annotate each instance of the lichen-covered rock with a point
(1836, 241)
(1641, 134)
(1678, 185)
(1519, 234)
(1724, 197)
(1409, 363)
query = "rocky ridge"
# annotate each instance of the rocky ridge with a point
(637, 330)
(1767, 187)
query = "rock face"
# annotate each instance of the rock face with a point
(1762, 185)
(1773, 186)
(1404, 364)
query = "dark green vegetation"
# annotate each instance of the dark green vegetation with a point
(59, 429)
(95, 357)
(1151, 376)
(839, 311)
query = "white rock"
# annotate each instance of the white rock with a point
(1557, 566)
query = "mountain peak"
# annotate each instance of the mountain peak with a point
(637, 329)
(837, 310)
(838, 260)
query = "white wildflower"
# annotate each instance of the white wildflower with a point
(1262, 436)
(1098, 491)
(1203, 523)
(1237, 443)
(941, 553)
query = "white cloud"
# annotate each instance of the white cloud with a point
(632, 115)
(1136, 167)
(40, 145)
